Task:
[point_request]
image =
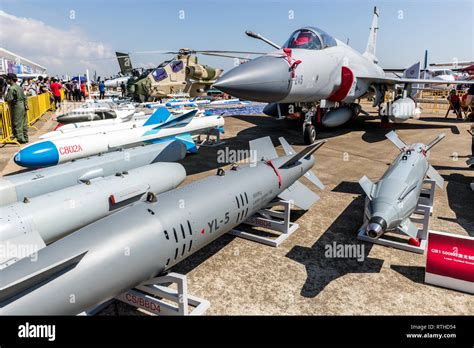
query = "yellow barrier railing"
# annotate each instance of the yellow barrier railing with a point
(37, 107)
(6, 137)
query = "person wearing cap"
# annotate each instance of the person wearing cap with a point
(18, 107)
(55, 88)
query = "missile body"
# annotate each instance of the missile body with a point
(91, 127)
(96, 113)
(58, 213)
(40, 181)
(114, 254)
(50, 152)
(395, 196)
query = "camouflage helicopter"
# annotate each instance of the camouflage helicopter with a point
(182, 75)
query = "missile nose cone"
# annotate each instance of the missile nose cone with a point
(42, 154)
(376, 227)
(264, 79)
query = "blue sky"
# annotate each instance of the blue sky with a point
(100, 27)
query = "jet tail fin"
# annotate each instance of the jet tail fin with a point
(393, 137)
(309, 174)
(434, 175)
(367, 185)
(412, 72)
(372, 42)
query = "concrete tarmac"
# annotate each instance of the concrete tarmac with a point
(240, 277)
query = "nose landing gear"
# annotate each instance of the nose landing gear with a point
(309, 131)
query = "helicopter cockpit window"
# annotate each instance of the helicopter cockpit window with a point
(305, 39)
(159, 74)
(177, 65)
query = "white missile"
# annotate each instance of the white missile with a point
(93, 127)
(44, 219)
(160, 125)
(33, 183)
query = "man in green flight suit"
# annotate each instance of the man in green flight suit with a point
(18, 107)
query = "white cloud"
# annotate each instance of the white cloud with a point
(60, 51)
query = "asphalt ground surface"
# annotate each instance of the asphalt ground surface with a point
(239, 276)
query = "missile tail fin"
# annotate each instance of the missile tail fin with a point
(305, 153)
(435, 141)
(314, 179)
(309, 174)
(188, 140)
(286, 147)
(179, 121)
(407, 227)
(393, 137)
(263, 148)
(367, 185)
(160, 115)
(21, 283)
(434, 175)
(33, 240)
(300, 195)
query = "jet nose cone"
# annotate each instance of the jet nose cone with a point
(264, 79)
(42, 154)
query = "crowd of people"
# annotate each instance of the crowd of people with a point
(16, 93)
(463, 102)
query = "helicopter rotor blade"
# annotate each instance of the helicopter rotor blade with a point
(224, 56)
(224, 51)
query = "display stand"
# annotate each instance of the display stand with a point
(275, 222)
(155, 297)
(420, 216)
(470, 163)
(213, 139)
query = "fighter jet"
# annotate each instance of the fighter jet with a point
(318, 79)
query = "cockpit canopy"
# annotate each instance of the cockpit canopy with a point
(310, 38)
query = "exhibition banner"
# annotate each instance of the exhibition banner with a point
(450, 261)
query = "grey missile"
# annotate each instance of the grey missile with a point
(119, 252)
(395, 196)
(46, 218)
(16, 187)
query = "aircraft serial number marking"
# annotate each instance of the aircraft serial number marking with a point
(298, 80)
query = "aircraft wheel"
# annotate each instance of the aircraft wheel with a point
(309, 134)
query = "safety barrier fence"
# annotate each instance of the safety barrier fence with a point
(37, 107)
(433, 101)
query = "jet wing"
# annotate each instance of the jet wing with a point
(398, 80)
